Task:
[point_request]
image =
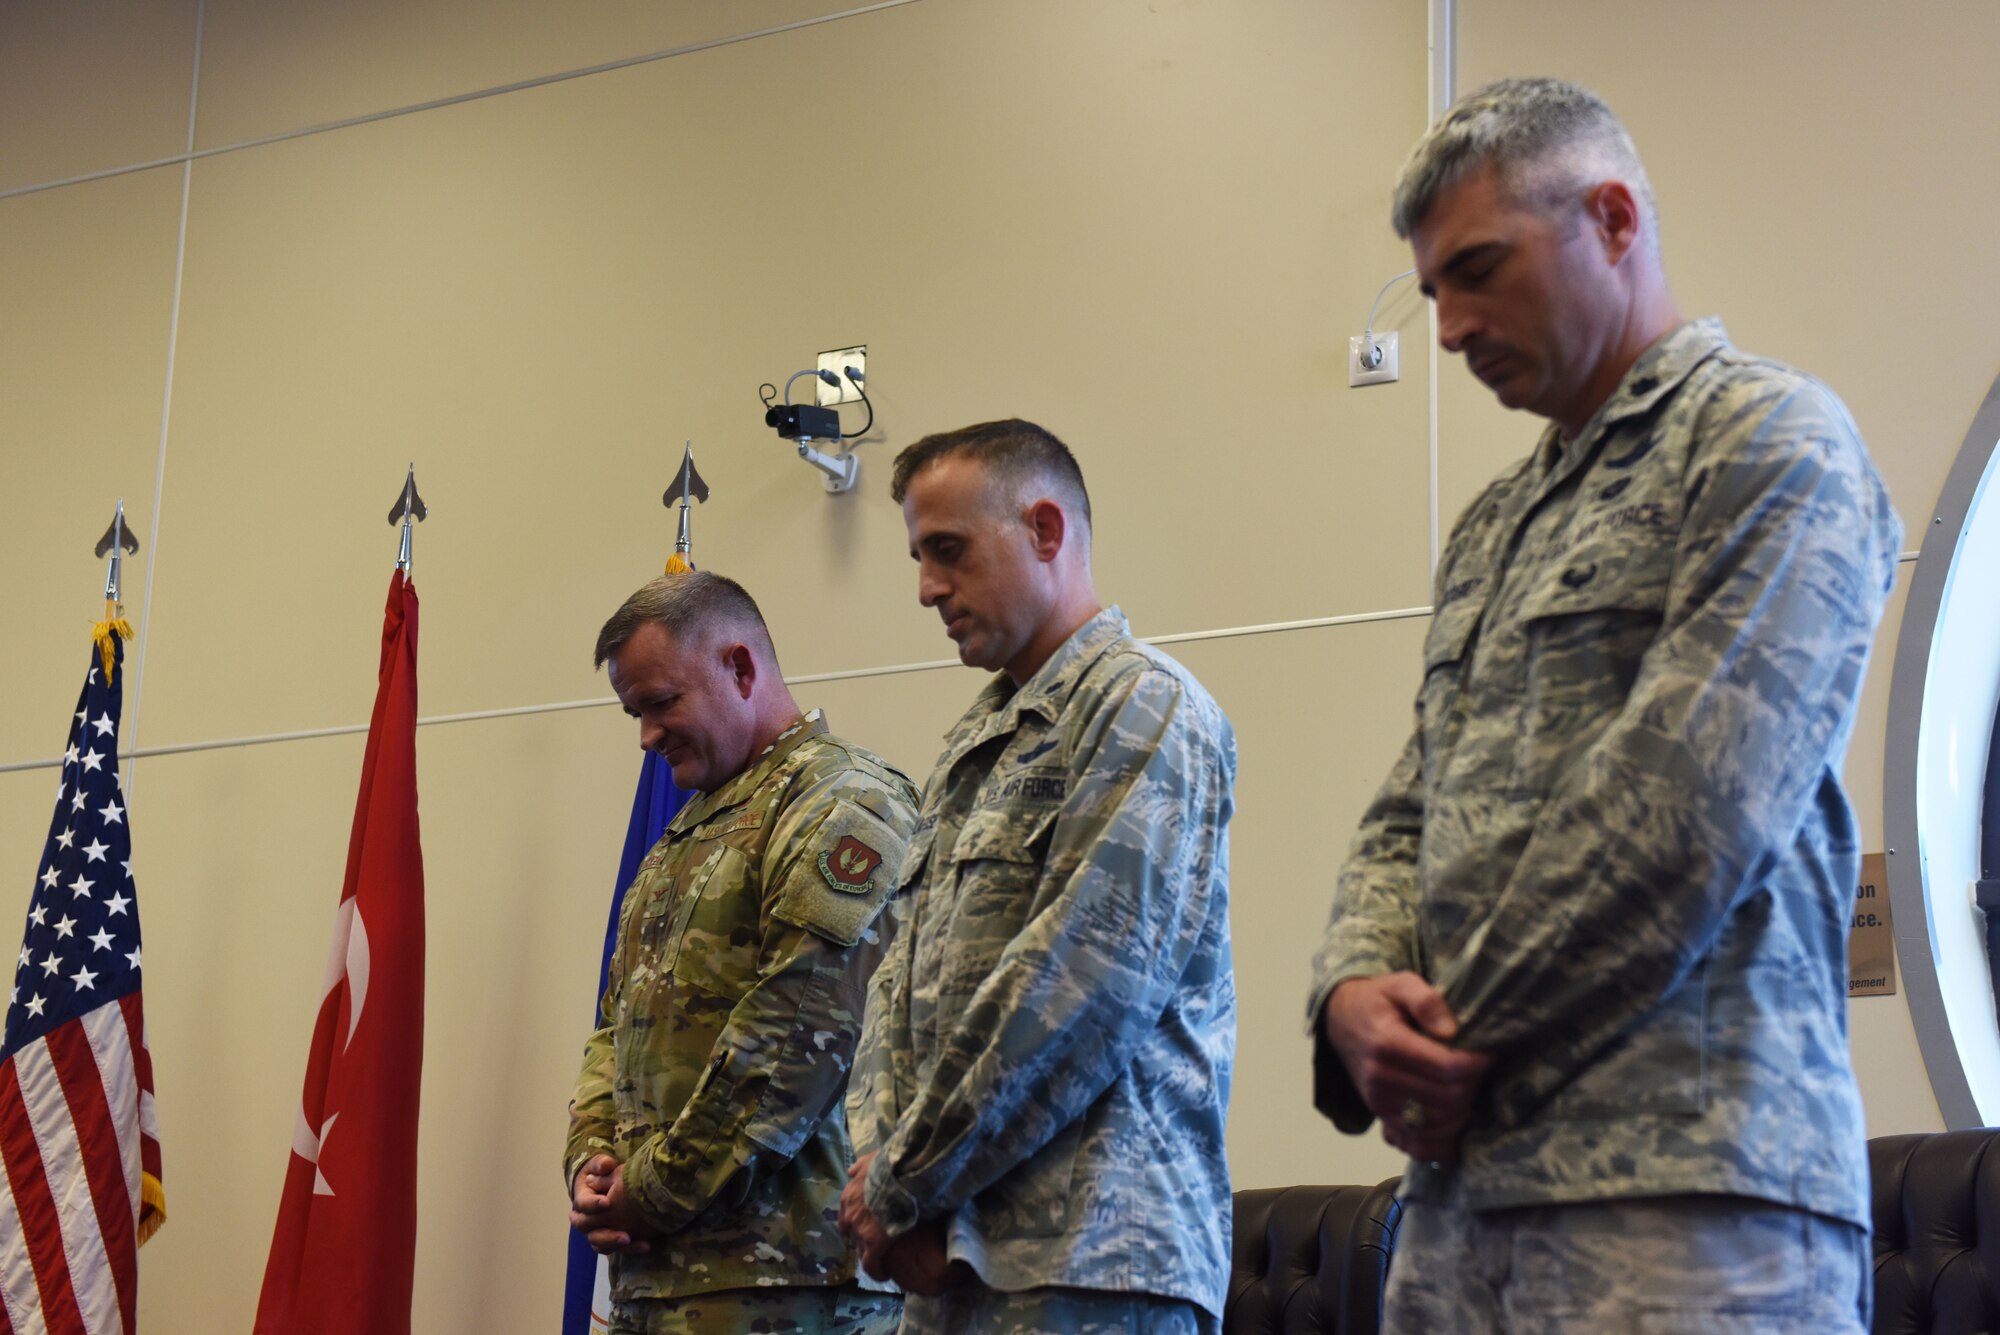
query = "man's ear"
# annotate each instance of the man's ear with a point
(741, 665)
(1048, 528)
(1615, 217)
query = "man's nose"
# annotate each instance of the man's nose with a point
(1455, 324)
(930, 588)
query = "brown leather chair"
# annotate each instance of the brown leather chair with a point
(1311, 1260)
(1937, 1232)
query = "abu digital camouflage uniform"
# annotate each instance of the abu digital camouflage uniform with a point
(1617, 841)
(1046, 1059)
(730, 1017)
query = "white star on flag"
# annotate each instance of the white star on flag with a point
(67, 837)
(95, 850)
(116, 904)
(80, 887)
(91, 761)
(40, 915)
(132, 957)
(84, 978)
(35, 1005)
(100, 940)
(51, 964)
(49, 878)
(69, 756)
(103, 724)
(66, 927)
(113, 813)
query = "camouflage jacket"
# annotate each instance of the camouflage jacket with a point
(1617, 841)
(731, 1014)
(1046, 1059)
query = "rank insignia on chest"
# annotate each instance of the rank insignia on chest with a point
(849, 864)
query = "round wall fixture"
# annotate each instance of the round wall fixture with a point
(1936, 772)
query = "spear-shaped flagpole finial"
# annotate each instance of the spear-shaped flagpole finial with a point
(688, 488)
(118, 540)
(409, 508)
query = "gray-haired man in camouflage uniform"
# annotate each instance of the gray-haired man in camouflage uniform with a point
(1040, 1093)
(1587, 956)
(707, 1145)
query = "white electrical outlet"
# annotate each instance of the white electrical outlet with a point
(837, 362)
(1358, 374)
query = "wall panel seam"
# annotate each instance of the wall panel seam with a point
(455, 99)
(803, 679)
(166, 408)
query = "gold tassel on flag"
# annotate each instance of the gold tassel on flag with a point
(104, 632)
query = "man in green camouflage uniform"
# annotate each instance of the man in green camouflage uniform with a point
(1040, 1093)
(1587, 956)
(708, 1144)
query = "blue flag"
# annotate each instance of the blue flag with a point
(653, 808)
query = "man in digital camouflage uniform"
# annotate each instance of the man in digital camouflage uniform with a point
(1040, 1094)
(1587, 956)
(708, 1145)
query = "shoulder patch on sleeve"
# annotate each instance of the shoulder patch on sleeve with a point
(843, 875)
(850, 865)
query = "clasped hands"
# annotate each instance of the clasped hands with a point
(602, 1212)
(1394, 1032)
(916, 1261)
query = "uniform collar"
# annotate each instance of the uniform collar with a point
(998, 708)
(1659, 372)
(738, 790)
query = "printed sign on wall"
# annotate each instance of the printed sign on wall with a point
(1871, 943)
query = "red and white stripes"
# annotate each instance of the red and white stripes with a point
(77, 1140)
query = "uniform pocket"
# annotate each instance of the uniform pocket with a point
(996, 866)
(714, 941)
(1586, 625)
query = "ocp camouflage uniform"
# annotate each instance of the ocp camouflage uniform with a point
(1046, 1059)
(1617, 841)
(730, 1017)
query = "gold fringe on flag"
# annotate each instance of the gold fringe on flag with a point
(103, 632)
(152, 1194)
(678, 564)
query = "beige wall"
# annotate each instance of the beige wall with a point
(1150, 226)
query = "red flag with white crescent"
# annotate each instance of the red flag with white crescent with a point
(343, 1253)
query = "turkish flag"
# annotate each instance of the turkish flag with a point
(344, 1250)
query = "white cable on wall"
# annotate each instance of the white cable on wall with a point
(1443, 43)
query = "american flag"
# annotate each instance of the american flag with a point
(78, 1139)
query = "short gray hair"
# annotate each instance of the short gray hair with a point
(690, 605)
(1549, 140)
